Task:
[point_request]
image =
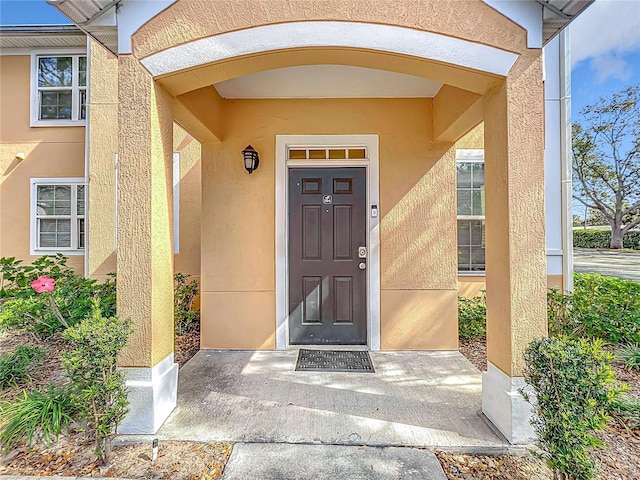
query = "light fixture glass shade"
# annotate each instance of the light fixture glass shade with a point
(251, 159)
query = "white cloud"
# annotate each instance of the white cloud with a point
(608, 67)
(604, 33)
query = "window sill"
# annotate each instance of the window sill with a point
(56, 252)
(472, 274)
(59, 123)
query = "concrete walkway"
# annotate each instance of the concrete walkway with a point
(268, 461)
(617, 264)
(317, 425)
(425, 399)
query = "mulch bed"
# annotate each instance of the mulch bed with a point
(72, 454)
(476, 353)
(493, 467)
(186, 346)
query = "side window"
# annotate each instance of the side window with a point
(471, 211)
(57, 216)
(59, 90)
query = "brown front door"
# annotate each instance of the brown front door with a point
(327, 277)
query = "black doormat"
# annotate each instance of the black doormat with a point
(334, 361)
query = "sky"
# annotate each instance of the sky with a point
(605, 51)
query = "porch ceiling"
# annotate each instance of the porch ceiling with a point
(327, 81)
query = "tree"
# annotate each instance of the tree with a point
(606, 160)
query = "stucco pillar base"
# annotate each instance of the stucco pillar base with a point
(153, 393)
(503, 404)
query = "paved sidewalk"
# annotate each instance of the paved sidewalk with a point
(616, 264)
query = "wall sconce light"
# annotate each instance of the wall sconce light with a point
(251, 159)
(20, 156)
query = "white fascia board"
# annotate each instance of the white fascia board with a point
(528, 14)
(132, 14)
(385, 38)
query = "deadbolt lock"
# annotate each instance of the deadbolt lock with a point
(362, 252)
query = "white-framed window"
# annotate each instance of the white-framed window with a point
(471, 210)
(58, 216)
(58, 88)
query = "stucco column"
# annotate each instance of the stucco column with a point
(102, 136)
(515, 240)
(145, 259)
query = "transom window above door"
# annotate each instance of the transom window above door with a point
(311, 153)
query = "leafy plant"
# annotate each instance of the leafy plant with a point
(472, 317)
(606, 308)
(98, 387)
(46, 311)
(626, 409)
(37, 414)
(16, 278)
(18, 366)
(184, 292)
(599, 307)
(573, 385)
(630, 355)
(561, 321)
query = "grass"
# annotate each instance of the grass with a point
(37, 414)
(630, 355)
(16, 368)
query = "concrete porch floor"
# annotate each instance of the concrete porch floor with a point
(426, 399)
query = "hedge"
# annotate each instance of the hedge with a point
(602, 239)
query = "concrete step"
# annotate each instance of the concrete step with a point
(281, 461)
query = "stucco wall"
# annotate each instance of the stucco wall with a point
(187, 260)
(145, 212)
(103, 146)
(188, 20)
(49, 152)
(417, 209)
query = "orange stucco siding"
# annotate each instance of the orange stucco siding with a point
(48, 152)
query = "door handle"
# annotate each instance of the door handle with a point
(362, 265)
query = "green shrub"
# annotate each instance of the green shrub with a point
(630, 355)
(606, 308)
(69, 303)
(472, 317)
(17, 367)
(184, 292)
(36, 414)
(98, 387)
(602, 239)
(572, 381)
(559, 313)
(599, 307)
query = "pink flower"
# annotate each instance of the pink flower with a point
(43, 284)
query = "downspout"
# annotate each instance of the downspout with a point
(87, 129)
(566, 157)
